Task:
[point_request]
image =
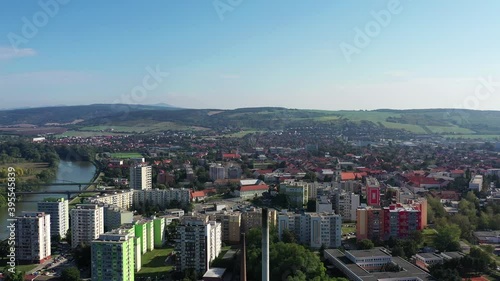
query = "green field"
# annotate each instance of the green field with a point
(241, 133)
(472, 136)
(373, 116)
(153, 263)
(125, 155)
(409, 127)
(449, 130)
(142, 126)
(86, 134)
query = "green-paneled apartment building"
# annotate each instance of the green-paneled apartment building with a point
(159, 232)
(114, 256)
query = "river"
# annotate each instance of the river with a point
(67, 172)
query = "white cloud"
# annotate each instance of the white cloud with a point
(7, 53)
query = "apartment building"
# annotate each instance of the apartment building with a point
(161, 197)
(346, 205)
(217, 172)
(313, 229)
(58, 210)
(253, 219)
(114, 217)
(122, 200)
(397, 220)
(297, 193)
(141, 177)
(231, 226)
(476, 183)
(372, 191)
(198, 243)
(33, 237)
(87, 223)
(323, 204)
(113, 257)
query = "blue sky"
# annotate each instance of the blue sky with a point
(245, 53)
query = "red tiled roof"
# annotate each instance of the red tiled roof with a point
(254, 187)
(346, 176)
(196, 194)
(231, 156)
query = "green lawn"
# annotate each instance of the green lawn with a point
(125, 155)
(23, 268)
(153, 263)
(348, 228)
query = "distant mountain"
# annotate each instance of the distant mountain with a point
(162, 104)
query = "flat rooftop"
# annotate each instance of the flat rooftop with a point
(215, 273)
(428, 255)
(368, 253)
(409, 270)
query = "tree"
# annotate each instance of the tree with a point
(70, 274)
(82, 255)
(68, 236)
(16, 276)
(417, 236)
(447, 238)
(311, 205)
(365, 244)
(398, 251)
(171, 230)
(288, 237)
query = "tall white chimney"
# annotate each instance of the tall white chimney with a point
(265, 245)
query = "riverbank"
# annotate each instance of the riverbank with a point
(67, 171)
(78, 199)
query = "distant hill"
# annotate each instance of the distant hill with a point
(151, 118)
(68, 114)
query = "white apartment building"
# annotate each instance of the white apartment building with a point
(33, 237)
(345, 204)
(58, 210)
(214, 240)
(122, 200)
(87, 223)
(141, 177)
(476, 183)
(313, 229)
(198, 243)
(162, 197)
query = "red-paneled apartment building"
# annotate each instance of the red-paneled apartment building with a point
(397, 221)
